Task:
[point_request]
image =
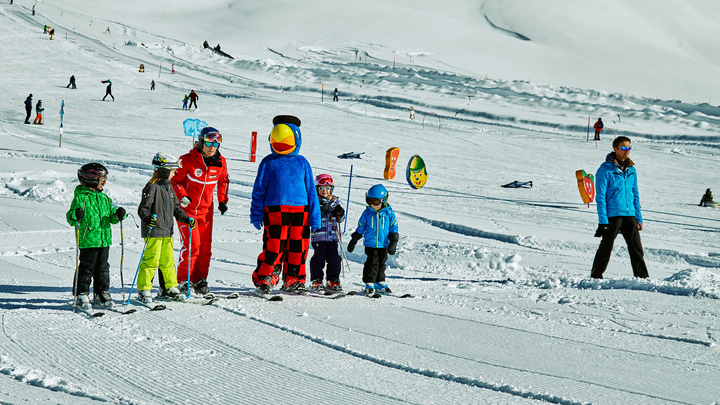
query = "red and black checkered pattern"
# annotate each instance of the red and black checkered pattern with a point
(286, 239)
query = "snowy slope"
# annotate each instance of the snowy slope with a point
(503, 309)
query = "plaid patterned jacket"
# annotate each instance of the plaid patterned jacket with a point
(327, 232)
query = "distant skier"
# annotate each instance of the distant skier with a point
(618, 206)
(52, 33)
(72, 82)
(39, 110)
(152, 85)
(335, 94)
(598, 128)
(91, 213)
(108, 90)
(33, 9)
(45, 28)
(412, 113)
(379, 228)
(706, 198)
(28, 108)
(193, 99)
(185, 102)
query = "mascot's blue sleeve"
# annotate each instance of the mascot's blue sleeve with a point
(313, 202)
(257, 206)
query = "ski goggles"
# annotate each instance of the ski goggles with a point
(326, 188)
(625, 147)
(211, 144)
(373, 201)
(324, 181)
(213, 140)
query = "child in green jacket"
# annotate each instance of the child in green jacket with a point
(91, 213)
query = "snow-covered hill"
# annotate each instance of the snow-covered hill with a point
(503, 309)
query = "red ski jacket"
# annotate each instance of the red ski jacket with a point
(196, 180)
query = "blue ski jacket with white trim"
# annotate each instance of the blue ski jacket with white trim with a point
(616, 191)
(375, 226)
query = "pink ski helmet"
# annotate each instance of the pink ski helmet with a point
(324, 180)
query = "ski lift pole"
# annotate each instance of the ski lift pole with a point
(348, 199)
(140, 262)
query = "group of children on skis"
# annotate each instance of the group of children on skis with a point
(293, 207)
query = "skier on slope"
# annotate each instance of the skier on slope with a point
(39, 110)
(72, 82)
(598, 128)
(285, 203)
(193, 99)
(108, 90)
(706, 198)
(91, 213)
(325, 240)
(28, 108)
(158, 198)
(201, 171)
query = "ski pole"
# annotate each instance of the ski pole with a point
(77, 266)
(342, 251)
(189, 257)
(348, 199)
(140, 262)
(122, 256)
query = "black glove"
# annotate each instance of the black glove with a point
(185, 201)
(222, 207)
(79, 214)
(355, 238)
(152, 223)
(120, 213)
(338, 212)
(603, 229)
(324, 206)
(393, 238)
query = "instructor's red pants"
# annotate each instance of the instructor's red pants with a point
(200, 251)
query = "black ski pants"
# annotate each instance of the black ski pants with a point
(325, 252)
(93, 267)
(374, 269)
(28, 113)
(627, 226)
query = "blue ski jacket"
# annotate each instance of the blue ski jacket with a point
(375, 226)
(616, 190)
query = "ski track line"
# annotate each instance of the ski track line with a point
(506, 389)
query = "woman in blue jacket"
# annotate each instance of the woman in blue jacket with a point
(618, 206)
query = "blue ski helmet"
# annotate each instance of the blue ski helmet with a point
(377, 193)
(209, 134)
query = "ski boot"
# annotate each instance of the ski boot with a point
(297, 287)
(369, 289)
(201, 287)
(83, 301)
(317, 286)
(383, 288)
(103, 299)
(183, 288)
(145, 296)
(334, 286)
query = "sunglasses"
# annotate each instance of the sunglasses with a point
(326, 188)
(373, 201)
(211, 144)
(625, 147)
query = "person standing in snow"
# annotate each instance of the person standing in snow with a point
(108, 90)
(28, 108)
(335, 94)
(201, 171)
(325, 240)
(185, 101)
(158, 198)
(286, 207)
(618, 206)
(193, 99)
(412, 113)
(152, 85)
(598, 128)
(706, 198)
(91, 213)
(379, 228)
(72, 82)
(39, 110)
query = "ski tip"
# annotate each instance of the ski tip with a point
(158, 307)
(275, 298)
(352, 293)
(97, 314)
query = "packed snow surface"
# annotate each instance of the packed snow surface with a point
(502, 310)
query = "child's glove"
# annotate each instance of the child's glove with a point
(222, 207)
(152, 223)
(258, 225)
(120, 213)
(393, 238)
(324, 206)
(191, 223)
(79, 214)
(602, 230)
(338, 212)
(185, 201)
(355, 238)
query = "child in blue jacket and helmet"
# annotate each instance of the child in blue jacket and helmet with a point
(378, 226)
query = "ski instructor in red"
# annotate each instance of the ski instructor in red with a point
(202, 170)
(286, 207)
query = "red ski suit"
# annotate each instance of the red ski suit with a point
(197, 181)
